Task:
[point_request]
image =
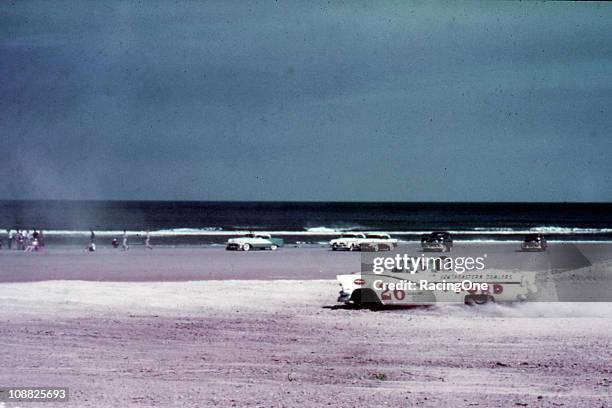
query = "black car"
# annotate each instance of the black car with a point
(534, 242)
(437, 241)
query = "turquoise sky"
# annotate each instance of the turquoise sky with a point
(229, 100)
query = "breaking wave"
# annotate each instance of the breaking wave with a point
(319, 231)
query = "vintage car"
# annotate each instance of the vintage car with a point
(534, 242)
(254, 241)
(393, 287)
(377, 242)
(347, 241)
(437, 241)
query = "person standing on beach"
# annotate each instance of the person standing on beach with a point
(124, 244)
(148, 240)
(20, 240)
(92, 242)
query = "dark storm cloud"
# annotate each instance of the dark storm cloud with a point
(303, 101)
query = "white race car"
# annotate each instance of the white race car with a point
(254, 241)
(393, 287)
(347, 241)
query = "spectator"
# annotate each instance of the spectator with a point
(148, 240)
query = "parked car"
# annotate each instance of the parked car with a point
(347, 241)
(534, 242)
(437, 241)
(377, 242)
(254, 241)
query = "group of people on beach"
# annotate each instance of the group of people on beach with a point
(115, 242)
(34, 241)
(25, 240)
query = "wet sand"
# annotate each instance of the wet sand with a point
(174, 264)
(193, 263)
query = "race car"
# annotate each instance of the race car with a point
(347, 241)
(437, 241)
(254, 241)
(377, 242)
(534, 242)
(393, 287)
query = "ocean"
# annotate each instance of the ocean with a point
(210, 223)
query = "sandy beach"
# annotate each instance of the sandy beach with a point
(205, 327)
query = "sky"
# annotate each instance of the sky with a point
(306, 101)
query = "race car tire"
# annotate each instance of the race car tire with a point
(479, 299)
(365, 298)
(246, 247)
